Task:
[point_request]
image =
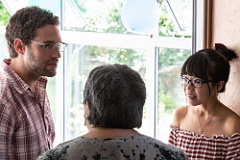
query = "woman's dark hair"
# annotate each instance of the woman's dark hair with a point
(210, 64)
(24, 24)
(116, 95)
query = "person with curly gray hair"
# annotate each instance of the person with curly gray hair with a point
(34, 44)
(114, 97)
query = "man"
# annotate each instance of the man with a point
(34, 44)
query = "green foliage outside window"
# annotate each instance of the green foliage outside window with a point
(108, 20)
(4, 15)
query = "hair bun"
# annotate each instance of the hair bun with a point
(225, 51)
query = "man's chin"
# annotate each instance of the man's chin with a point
(50, 74)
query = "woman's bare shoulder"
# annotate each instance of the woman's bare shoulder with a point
(179, 115)
(181, 110)
(233, 119)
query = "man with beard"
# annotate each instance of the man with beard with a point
(35, 46)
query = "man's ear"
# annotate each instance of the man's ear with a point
(19, 46)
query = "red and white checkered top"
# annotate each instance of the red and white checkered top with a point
(200, 147)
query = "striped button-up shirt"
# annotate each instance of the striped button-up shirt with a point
(26, 124)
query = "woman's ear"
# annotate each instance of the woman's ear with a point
(220, 85)
(19, 46)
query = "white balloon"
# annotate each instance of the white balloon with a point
(140, 16)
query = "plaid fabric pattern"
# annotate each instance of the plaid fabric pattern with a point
(201, 147)
(26, 124)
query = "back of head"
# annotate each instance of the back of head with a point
(210, 64)
(116, 95)
(24, 24)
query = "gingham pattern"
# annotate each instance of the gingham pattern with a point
(200, 147)
(26, 124)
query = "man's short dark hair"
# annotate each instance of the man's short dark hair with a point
(24, 23)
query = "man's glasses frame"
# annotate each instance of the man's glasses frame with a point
(195, 83)
(51, 47)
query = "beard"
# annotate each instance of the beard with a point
(39, 66)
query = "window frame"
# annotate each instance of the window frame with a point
(128, 41)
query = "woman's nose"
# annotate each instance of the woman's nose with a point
(189, 86)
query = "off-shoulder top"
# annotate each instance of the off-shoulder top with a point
(198, 146)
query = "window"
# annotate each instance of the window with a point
(96, 35)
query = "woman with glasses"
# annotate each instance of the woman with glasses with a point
(205, 128)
